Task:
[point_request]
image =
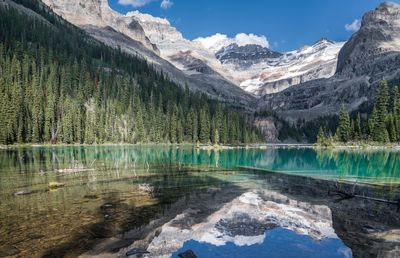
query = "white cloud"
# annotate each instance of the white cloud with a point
(354, 26)
(135, 3)
(166, 4)
(218, 41)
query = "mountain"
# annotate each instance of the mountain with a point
(307, 83)
(374, 48)
(372, 54)
(58, 84)
(155, 40)
(263, 71)
(245, 62)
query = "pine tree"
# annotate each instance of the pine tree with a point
(204, 124)
(380, 133)
(343, 132)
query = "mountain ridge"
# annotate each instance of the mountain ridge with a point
(194, 57)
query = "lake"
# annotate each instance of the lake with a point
(166, 201)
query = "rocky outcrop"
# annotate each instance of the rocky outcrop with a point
(245, 56)
(371, 55)
(370, 50)
(98, 13)
(268, 128)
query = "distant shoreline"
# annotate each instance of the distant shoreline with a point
(338, 146)
(359, 145)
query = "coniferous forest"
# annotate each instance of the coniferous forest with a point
(382, 126)
(58, 85)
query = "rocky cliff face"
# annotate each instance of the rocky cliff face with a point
(245, 56)
(98, 13)
(372, 49)
(371, 55)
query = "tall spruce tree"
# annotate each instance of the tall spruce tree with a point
(343, 132)
(380, 132)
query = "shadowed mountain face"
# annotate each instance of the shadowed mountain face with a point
(245, 55)
(371, 55)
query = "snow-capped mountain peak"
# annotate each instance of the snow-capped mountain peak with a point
(218, 41)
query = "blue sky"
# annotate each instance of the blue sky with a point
(287, 24)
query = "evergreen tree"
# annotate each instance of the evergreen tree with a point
(204, 124)
(380, 133)
(343, 132)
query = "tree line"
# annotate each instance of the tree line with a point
(381, 126)
(57, 85)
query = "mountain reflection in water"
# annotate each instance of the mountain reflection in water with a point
(277, 243)
(257, 222)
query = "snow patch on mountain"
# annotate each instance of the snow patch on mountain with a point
(218, 41)
(294, 67)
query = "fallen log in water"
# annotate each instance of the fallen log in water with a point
(74, 170)
(348, 195)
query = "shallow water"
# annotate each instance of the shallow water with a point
(116, 197)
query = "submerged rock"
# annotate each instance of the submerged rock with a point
(55, 185)
(146, 188)
(187, 254)
(23, 192)
(107, 206)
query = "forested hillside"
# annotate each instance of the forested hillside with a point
(59, 85)
(381, 126)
